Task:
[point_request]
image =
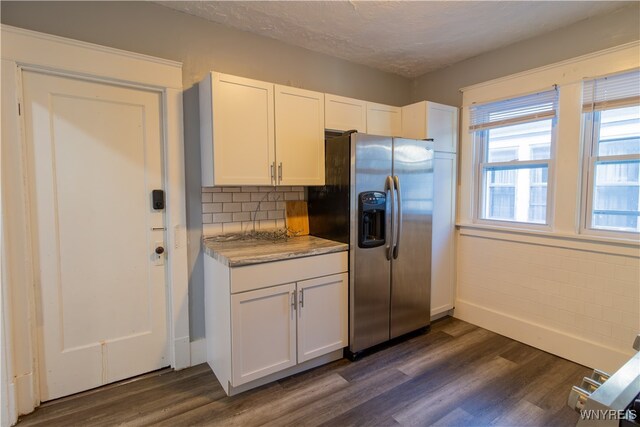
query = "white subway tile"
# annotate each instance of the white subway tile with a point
(291, 196)
(275, 215)
(207, 218)
(249, 189)
(230, 189)
(297, 188)
(250, 206)
(241, 216)
(207, 198)
(258, 197)
(222, 197)
(211, 189)
(232, 207)
(211, 207)
(232, 227)
(222, 217)
(241, 197)
(266, 189)
(267, 224)
(267, 206)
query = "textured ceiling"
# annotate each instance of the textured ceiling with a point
(408, 38)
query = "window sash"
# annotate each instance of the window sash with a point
(591, 159)
(523, 109)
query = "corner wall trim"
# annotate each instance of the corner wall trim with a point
(198, 351)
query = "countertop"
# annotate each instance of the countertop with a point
(236, 253)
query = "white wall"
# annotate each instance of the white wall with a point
(589, 35)
(571, 294)
(201, 46)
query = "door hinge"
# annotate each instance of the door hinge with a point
(19, 109)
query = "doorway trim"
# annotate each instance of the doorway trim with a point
(25, 49)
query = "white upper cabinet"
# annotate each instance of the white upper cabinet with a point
(299, 136)
(258, 133)
(344, 114)
(430, 120)
(236, 130)
(384, 120)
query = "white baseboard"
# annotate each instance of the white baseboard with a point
(198, 351)
(563, 344)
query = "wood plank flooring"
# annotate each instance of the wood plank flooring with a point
(455, 375)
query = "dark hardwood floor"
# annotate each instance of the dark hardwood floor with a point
(455, 375)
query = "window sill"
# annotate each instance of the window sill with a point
(610, 245)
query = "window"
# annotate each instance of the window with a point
(611, 112)
(514, 142)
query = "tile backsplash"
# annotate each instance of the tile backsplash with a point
(234, 209)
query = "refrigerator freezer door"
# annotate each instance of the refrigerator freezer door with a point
(411, 271)
(370, 271)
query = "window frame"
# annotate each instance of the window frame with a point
(480, 143)
(590, 139)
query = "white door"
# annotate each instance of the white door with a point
(263, 332)
(384, 120)
(299, 136)
(95, 155)
(322, 316)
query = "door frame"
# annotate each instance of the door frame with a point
(25, 49)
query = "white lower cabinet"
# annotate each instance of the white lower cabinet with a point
(267, 321)
(263, 332)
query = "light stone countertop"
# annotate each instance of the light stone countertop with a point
(236, 253)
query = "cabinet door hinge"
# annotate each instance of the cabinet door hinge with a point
(19, 109)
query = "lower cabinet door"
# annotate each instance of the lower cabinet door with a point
(263, 332)
(322, 315)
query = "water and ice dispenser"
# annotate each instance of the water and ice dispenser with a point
(371, 219)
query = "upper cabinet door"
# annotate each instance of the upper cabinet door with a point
(236, 131)
(345, 113)
(424, 120)
(299, 136)
(384, 120)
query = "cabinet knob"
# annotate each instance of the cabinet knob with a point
(159, 250)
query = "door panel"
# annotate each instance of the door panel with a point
(263, 332)
(385, 120)
(411, 270)
(345, 113)
(243, 133)
(444, 220)
(369, 268)
(96, 155)
(322, 316)
(299, 136)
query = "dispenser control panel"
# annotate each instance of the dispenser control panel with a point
(372, 206)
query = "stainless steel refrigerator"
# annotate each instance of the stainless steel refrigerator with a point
(378, 198)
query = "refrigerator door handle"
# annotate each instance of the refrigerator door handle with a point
(396, 247)
(389, 188)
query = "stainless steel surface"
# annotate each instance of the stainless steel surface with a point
(396, 246)
(589, 384)
(293, 300)
(280, 172)
(301, 298)
(369, 271)
(390, 230)
(273, 173)
(411, 271)
(577, 398)
(616, 392)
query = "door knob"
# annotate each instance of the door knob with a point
(159, 250)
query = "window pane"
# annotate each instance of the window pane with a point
(619, 131)
(516, 194)
(616, 198)
(526, 141)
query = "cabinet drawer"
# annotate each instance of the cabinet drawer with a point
(259, 276)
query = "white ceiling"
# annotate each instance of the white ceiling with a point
(408, 38)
